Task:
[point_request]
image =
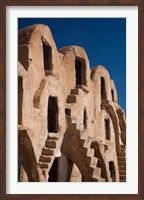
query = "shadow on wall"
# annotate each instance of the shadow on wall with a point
(26, 157)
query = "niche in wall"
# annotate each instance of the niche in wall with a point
(107, 129)
(52, 119)
(112, 171)
(47, 56)
(103, 88)
(80, 68)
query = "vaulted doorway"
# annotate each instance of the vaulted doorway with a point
(47, 56)
(53, 126)
(80, 68)
(103, 89)
(112, 171)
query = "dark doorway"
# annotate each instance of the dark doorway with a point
(60, 170)
(53, 173)
(47, 57)
(107, 129)
(112, 93)
(80, 67)
(53, 115)
(85, 119)
(20, 98)
(103, 89)
(112, 171)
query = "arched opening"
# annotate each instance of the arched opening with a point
(47, 56)
(112, 171)
(103, 89)
(112, 93)
(53, 126)
(107, 129)
(80, 68)
(111, 111)
(85, 119)
(53, 173)
(20, 98)
(61, 170)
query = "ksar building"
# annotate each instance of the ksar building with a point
(70, 125)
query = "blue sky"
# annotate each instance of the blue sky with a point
(104, 40)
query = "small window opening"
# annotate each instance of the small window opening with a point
(68, 112)
(53, 115)
(103, 89)
(112, 93)
(85, 119)
(107, 129)
(80, 67)
(112, 171)
(47, 57)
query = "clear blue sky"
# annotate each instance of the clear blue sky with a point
(104, 40)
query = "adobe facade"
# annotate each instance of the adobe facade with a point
(70, 125)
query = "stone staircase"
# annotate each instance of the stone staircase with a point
(85, 153)
(122, 164)
(90, 160)
(49, 151)
(101, 153)
(77, 147)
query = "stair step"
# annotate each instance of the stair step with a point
(71, 99)
(122, 172)
(122, 153)
(97, 172)
(43, 165)
(47, 152)
(89, 152)
(79, 86)
(44, 159)
(85, 143)
(50, 144)
(121, 158)
(93, 162)
(53, 136)
(122, 177)
(122, 163)
(122, 167)
(74, 91)
(83, 136)
(123, 148)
